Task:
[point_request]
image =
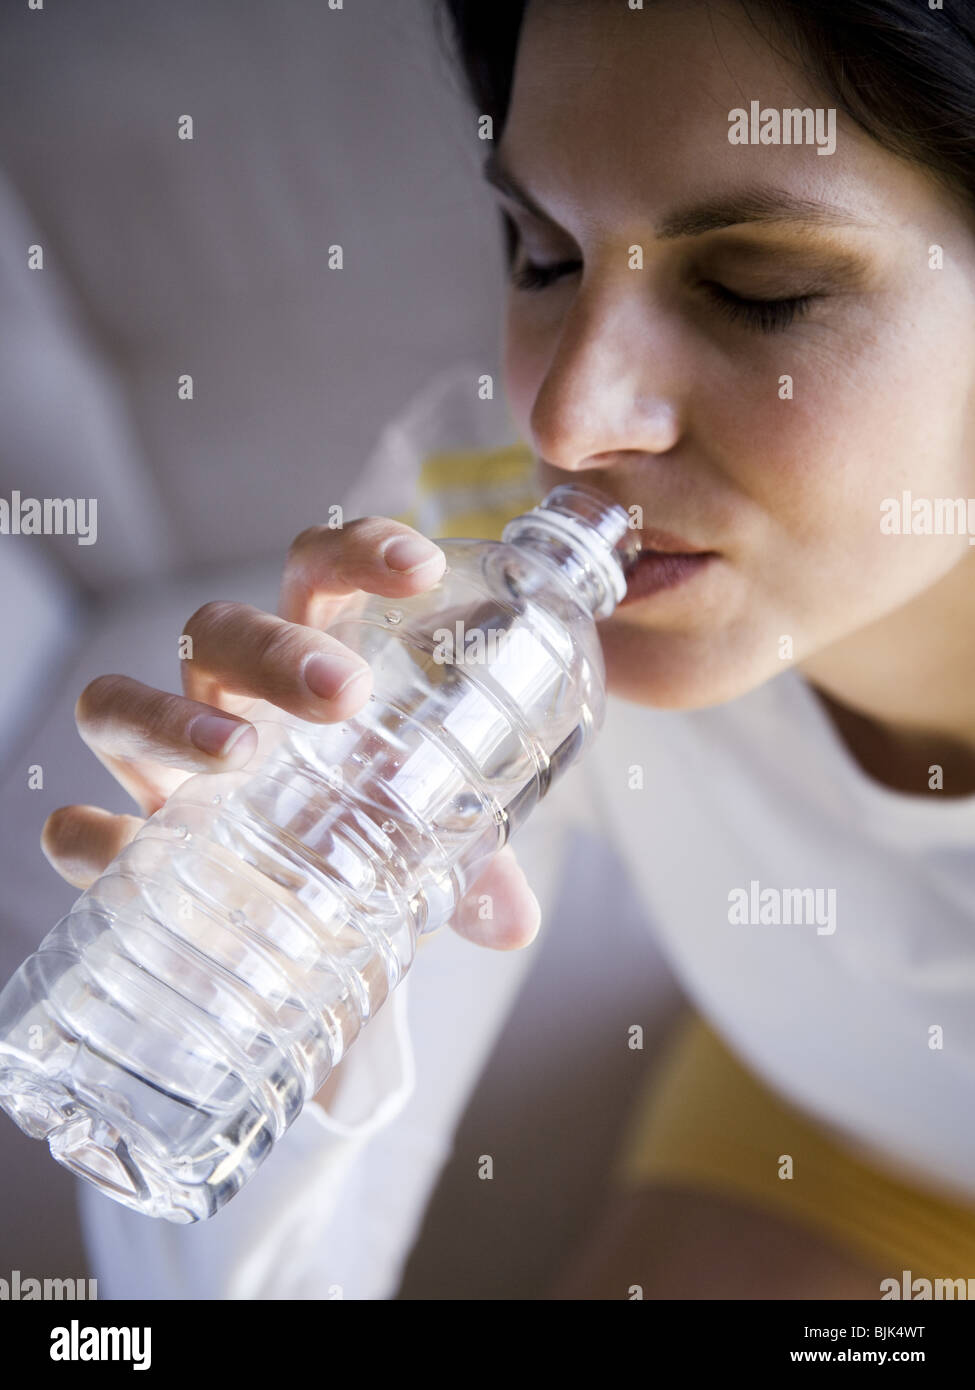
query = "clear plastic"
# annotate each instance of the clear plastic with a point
(170, 1028)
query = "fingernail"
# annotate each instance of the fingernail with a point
(327, 676)
(407, 553)
(214, 735)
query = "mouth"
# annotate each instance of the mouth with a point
(666, 561)
(666, 543)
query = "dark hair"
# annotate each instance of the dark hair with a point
(905, 73)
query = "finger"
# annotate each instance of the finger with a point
(499, 911)
(240, 650)
(151, 741)
(123, 718)
(81, 841)
(324, 566)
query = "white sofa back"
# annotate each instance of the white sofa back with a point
(166, 257)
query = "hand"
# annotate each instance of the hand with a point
(151, 741)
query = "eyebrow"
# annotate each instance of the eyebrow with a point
(751, 205)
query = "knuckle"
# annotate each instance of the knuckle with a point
(209, 616)
(370, 531)
(58, 828)
(363, 525)
(110, 705)
(99, 700)
(160, 714)
(305, 540)
(317, 546)
(275, 647)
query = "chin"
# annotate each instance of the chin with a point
(671, 670)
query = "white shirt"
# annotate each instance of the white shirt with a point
(839, 1021)
(740, 804)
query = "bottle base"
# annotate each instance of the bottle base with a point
(92, 1148)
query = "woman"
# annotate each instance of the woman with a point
(768, 346)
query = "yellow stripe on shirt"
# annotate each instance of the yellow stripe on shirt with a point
(706, 1121)
(473, 492)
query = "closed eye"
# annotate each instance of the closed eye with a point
(532, 276)
(767, 315)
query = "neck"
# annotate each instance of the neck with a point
(901, 692)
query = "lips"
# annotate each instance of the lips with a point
(665, 561)
(658, 570)
(666, 543)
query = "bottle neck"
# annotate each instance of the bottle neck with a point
(587, 537)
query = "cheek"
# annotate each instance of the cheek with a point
(869, 409)
(861, 416)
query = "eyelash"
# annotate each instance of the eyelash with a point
(766, 315)
(538, 277)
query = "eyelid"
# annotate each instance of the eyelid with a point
(765, 315)
(767, 294)
(516, 209)
(822, 271)
(817, 266)
(540, 226)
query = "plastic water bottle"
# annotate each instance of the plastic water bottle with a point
(170, 1028)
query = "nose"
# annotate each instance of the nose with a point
(607, 390)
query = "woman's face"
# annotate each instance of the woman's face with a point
(658, 386)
